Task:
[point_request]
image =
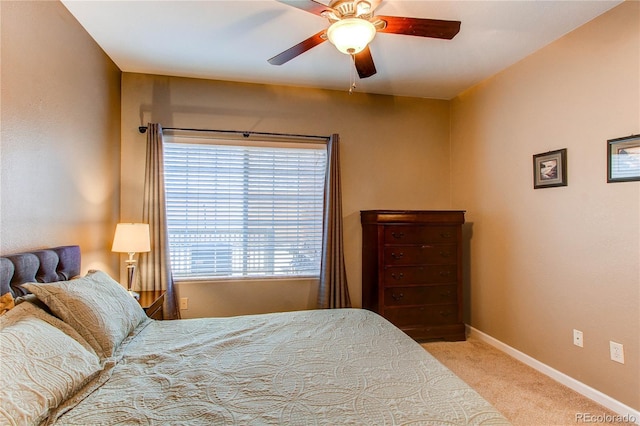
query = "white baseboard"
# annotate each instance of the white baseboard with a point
(589, 392)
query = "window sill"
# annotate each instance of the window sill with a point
(271, 280)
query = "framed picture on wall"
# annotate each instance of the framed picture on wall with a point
(550, 169)
(623, 159)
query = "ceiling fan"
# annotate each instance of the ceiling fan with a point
(353, 26)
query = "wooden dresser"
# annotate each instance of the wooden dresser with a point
(412, 270)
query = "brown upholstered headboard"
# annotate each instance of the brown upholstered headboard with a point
(45, 266)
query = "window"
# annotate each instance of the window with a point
(244, 209)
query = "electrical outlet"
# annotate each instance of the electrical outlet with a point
(617, 352)
(184, 303)
(577, 338)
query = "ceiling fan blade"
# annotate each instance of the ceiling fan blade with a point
(298, 49)
(420, 27)
(308, 6)
(364, 63)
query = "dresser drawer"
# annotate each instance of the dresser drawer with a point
(396, 234)
(421, 295)
(416, 315)
(424, 274)
(434, 254)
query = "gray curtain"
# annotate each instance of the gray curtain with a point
(155, 268)
(333, 291)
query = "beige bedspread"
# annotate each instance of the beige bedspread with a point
(325, 367)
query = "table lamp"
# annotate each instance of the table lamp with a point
(131, 238)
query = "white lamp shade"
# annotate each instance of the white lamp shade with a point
(131, 238)
(351, 35)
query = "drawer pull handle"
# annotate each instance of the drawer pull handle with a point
(397, 235)
(446, 235)
(397, 256)
(445, 273)
(426, 246)
(445, 313)
(445, 253)
(445, 294)
(397, 297)
(397, 277)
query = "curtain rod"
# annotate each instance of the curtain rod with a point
(246, 134)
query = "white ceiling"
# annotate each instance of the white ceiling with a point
(232, 40)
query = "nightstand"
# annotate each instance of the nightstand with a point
(151, 302)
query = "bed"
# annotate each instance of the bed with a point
(78, 350)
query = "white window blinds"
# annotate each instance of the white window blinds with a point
(238, 209)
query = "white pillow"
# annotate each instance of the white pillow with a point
(96, 306)
(42, 365)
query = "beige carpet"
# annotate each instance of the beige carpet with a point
(522, 394)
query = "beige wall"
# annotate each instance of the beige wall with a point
(546, 261)
(60, 151)
(394, 153)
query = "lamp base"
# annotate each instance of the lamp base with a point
(131, 267)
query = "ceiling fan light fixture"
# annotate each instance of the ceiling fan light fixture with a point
(351, 35)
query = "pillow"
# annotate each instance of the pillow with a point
(42, 365)
(6, 303)
(96, 306)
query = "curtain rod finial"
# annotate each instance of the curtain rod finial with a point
(142, 129)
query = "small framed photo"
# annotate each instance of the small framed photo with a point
(550, 169)
(623, 159)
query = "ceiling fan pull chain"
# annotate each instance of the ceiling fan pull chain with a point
(352, 74)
